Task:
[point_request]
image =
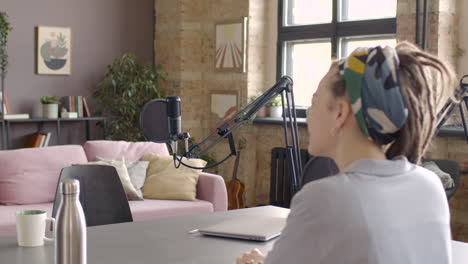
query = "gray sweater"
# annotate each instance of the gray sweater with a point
(376, 211)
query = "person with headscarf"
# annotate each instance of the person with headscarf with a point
(374, 113)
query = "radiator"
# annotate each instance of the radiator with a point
(280, 181)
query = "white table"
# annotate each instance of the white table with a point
(164, 241)
(460, 252)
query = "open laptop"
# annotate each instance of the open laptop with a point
(258, 228)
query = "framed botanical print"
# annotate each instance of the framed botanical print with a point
(53, 50)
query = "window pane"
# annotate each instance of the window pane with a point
(303, 12)
(306, 62)
(367, 9)
(348, 45)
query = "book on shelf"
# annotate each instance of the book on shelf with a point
(6, 108)
(73, 103)
(86, 112)
(37, 140)
(79, 105)
(43, 138)
(33, 140)
(69, 114)
(47, 139)
(15, 116)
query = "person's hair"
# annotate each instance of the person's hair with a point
(426, 83)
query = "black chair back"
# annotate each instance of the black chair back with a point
(101, 194)
(318, 168)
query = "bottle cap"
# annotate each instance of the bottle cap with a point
(70, 186)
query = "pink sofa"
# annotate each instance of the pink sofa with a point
(28, 179)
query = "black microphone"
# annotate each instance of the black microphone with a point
(173, 116)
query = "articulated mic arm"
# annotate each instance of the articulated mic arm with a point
(451, 106)
(284, 88)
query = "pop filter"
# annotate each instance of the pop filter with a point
(153, 121)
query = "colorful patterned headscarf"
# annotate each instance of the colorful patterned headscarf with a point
(371, 77)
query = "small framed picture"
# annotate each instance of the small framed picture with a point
(231, 45)
(53, 50)
(224, 104)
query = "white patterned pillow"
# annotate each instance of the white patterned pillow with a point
(446, 179)
(119, 165)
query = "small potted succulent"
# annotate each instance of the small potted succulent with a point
(274, 107)
(50, 106)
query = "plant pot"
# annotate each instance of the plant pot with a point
(50, 110)
(276, 111)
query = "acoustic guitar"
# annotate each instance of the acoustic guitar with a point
(235, 188)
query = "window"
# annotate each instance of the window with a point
(312, 32)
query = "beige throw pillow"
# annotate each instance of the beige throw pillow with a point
(119, 165)
(165, 182)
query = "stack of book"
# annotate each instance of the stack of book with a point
(15, 116)
(37, 140)
(5, 110)
(76, 103)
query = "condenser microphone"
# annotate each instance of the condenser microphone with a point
(160, 121)
(173, 116)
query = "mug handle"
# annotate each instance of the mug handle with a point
(50, 239)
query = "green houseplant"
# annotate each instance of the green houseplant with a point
(50, 100)
(121, 95)
(50, 106)
(5, 28)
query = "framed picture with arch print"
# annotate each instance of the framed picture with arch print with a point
(53, 50)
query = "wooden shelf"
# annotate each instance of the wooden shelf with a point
(6, 123)
(54, 119)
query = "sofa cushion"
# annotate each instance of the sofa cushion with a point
(8, 216)
(164, 181)
(30, 176)
(122, 172)
(150, 209)
(131, 151)
(137, 173)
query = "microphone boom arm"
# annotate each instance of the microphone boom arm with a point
(284, 88)
(451, 106)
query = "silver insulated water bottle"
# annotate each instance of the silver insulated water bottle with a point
(70, 229)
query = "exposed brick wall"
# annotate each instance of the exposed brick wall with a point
(184, 43)
(185, 48)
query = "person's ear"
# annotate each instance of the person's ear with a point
(342, 113)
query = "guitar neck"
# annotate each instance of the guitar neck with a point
(236, 165)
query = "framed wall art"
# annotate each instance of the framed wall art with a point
(224, 104)
(231, 45)
(53, 50)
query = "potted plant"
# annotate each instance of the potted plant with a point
(126, 88)
(4, 29)
(274, 107)
(50, 106)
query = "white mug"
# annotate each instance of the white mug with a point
(30, 228)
